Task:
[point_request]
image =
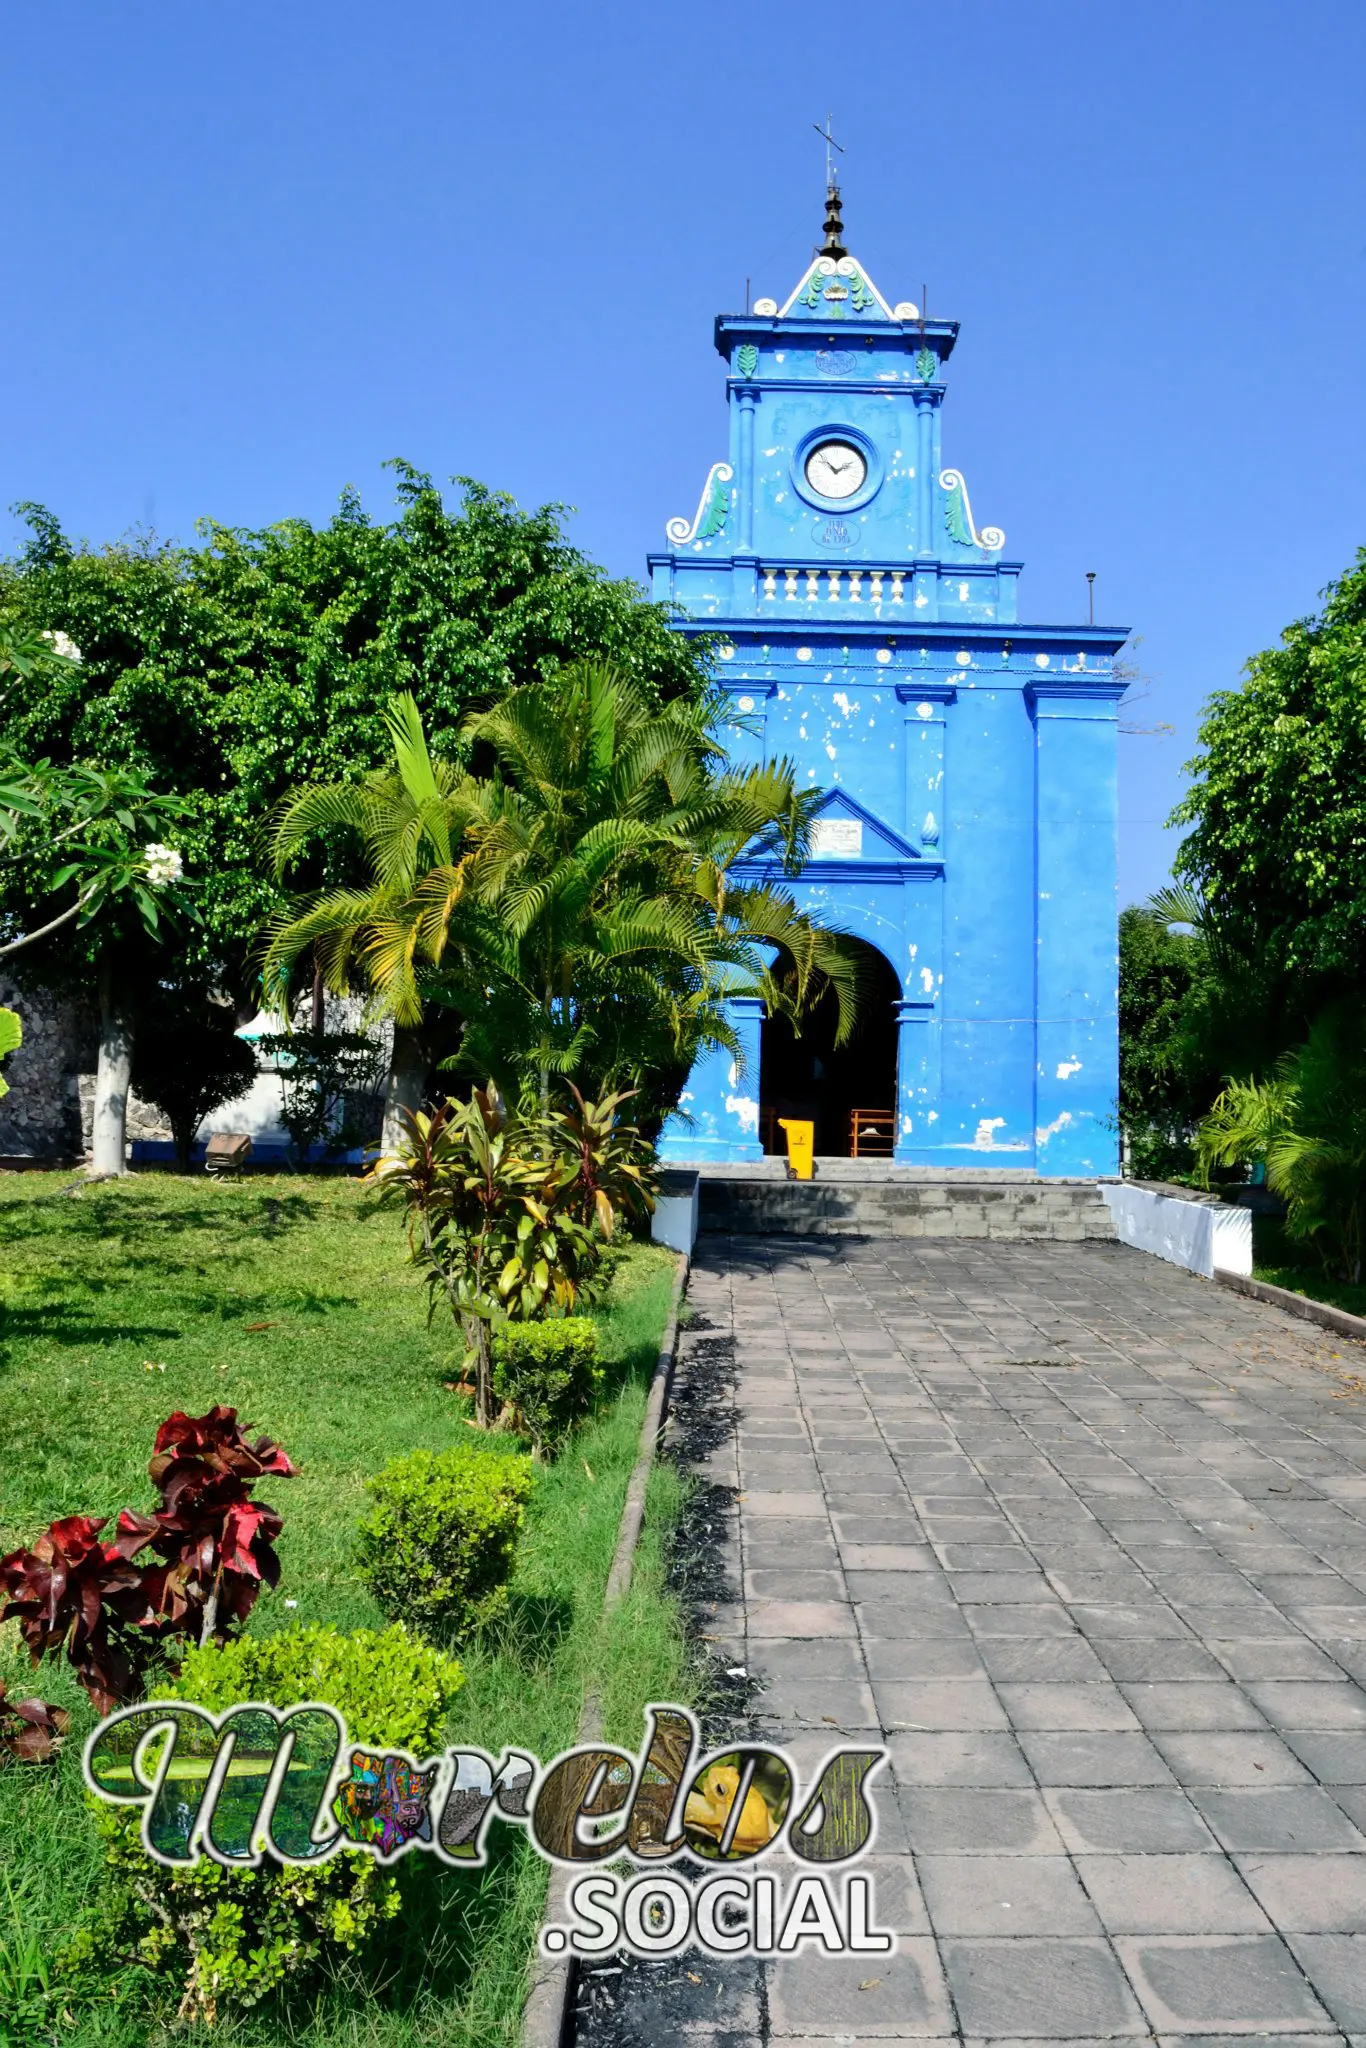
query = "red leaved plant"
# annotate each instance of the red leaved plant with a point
(30, 1730)
(214, 1547)
(216, 1543)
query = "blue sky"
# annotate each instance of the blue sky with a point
(253, 251)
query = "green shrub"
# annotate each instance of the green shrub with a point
(437, 1547)
(229, 1938)
(549, 1372)
(392, 1690)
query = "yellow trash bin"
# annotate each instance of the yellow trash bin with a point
(801, 1147)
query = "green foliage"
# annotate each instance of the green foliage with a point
(1164, 1085)
(141, 708)
(28, 1982)
(1277, 810)
(188, 1060)
(83, 839)
(393, 1690)
(11, 1038)
(1307, 1124)
(230, 672)
(328, 1080)
(549, 1372)
(437, 1547)
(508, 1216)
(288, 1294)
(229, 1938)
(577, 908)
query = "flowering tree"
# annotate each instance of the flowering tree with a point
(85, 837)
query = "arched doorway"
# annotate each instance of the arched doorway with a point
(847, 1091)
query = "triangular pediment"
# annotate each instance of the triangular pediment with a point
(836, 289)
(845, 829)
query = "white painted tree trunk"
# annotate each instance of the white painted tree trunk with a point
(407, 1083)
(113, 1076)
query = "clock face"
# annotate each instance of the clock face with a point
(835, 469)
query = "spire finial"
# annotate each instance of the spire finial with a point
(833, 244)
(834, 225)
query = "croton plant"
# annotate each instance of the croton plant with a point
(191, 1570)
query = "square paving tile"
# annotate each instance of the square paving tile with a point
(1054, 1660)
(808, 1658)
(943, 1703)
(1300, 1819)
(1231, 1759)
(971, 1758)
(1191, 1704)
(836, 1702)
(1233, 1984)
(1037, 1895)
(1335, 1965)
(888, 1557)
(958, 1820)
(1005, 1619)
(1335, 1758)
(1288, 1703)
(1039, 1989)
(1314, 1894)
(1083, 1757)
(1171, 1895)
(923, 1657)
(896, 1997)
(1066, 1704)
(1156, 1658)
(1153, 1820)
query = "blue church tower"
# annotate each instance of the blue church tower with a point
(968, 836)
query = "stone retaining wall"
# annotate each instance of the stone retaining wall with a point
(40, 1116)
(1009, 1210)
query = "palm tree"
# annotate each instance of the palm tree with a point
(1308, 1125)
(579, 904)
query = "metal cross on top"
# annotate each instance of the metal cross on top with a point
(830, 143)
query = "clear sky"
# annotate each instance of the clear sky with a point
(252, 251)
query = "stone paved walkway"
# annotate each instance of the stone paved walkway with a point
(1085, 1538)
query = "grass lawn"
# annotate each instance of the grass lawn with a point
(1277, 1259)
(289, 1299)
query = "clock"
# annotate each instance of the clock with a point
(835, 470)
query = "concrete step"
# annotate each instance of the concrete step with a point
(978, 1205)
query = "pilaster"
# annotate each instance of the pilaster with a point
(721, 1100)
(1076, 912)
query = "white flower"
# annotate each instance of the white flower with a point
(164, 865)
(64, 645)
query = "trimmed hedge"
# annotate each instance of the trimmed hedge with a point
(437, 1547)
(230, 1938)
(549, 1373)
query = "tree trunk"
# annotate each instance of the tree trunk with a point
(477, 1339)
(407, 1083)
(183, 1137)
(113, 1074)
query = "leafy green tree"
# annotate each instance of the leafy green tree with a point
(1307, 1125)
(81, 855)
(226, 673)
(190, 1061)
(1164, 1088)
(1277, 812)
(578, 907)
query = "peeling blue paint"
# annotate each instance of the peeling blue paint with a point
(987, 865)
